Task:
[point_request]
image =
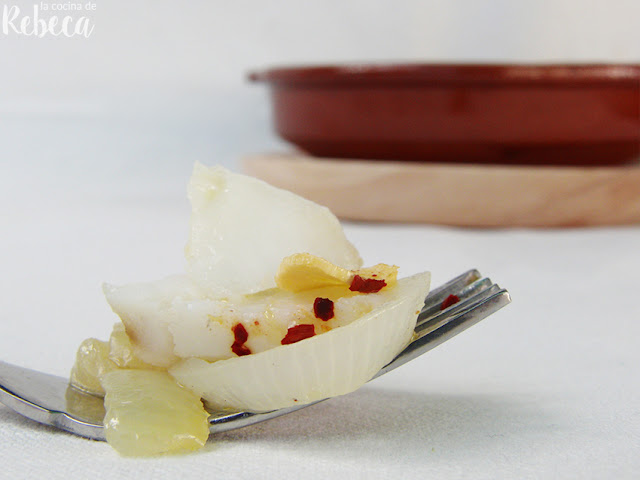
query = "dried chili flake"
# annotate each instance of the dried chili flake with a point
(323, 309)
(450, 300)
(240, 336)
(297, 333)
(366, 285)
(240, 349)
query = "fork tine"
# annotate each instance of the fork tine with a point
(470, 296)
(437, 295)
(433, 306)
(451, 322)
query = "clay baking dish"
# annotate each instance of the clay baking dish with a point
(510, 114)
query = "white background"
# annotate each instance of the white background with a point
(160, 84)
(198, 47)
(97, 139)
(182, 66)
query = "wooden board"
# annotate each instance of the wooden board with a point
(461, 195)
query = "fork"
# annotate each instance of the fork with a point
(50, 400)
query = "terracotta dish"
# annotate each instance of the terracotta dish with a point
(509, 114)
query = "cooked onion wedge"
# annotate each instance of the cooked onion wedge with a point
(334, 363)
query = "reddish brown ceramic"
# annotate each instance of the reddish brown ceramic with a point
(534, 114)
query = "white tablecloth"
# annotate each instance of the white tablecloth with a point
(546, 388)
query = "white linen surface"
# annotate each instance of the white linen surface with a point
(546, 388)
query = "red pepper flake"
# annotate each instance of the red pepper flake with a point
(323, 309)
(450, 300)
(240, 349)
(298, 332)
(366, 285)
(240, 336)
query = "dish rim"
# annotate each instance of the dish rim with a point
(563, 74)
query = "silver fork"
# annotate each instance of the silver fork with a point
(50, 400)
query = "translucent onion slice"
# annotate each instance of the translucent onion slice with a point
(326, 365)
(148, 413)
(92, 363)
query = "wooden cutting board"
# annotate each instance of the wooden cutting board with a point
(458, 194)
